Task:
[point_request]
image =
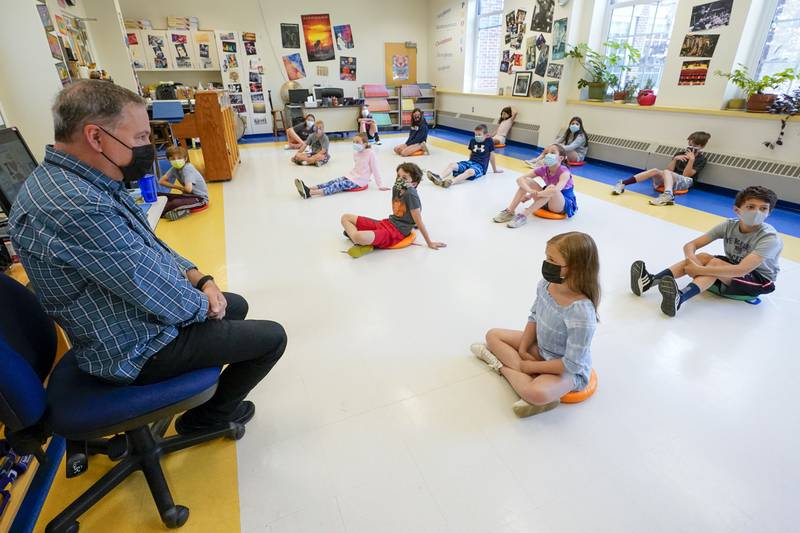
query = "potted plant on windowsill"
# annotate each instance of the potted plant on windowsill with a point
(757, 100)
(788, 105)
(628, 92)
(601, 68)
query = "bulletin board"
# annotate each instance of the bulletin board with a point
(400, 71)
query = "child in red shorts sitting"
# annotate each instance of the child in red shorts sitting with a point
(368, 234)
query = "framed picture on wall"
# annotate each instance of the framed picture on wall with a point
(522, 81)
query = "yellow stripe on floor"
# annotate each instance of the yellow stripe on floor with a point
(677, 214)
(203, 478)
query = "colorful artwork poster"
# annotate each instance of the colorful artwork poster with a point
(699, 45)
(694, 72)
(237, 99)
(255, 77)
(541, 64)
(202, 50)
(250, 48)
(290, 35)
(344, 37)
(294, 66)
(542, 18)
(399, 67)
(712, 15)
(554, 70)
(319, 39)
(347, 68)
(231, 62)
(229, 47)
(230, 36)
(530, 53)
(133, 39)
(536, 90)
(552, 91)
(61, 25)
(238, 108)
(259, 107)
(505, 66)
(559, 39)
(517, 61)
(259, 97)
(235, 87)
(63, 73)
(179, 38)
(256, 87)
(249, 36)
(44, 15)
(55, 47)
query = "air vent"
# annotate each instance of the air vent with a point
(476, 118)
(764, 166)
(629, 144)
(447, 114)
(528, 127)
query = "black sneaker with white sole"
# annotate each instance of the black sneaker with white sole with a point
(302, 190)
(670, 295)
(641, 279)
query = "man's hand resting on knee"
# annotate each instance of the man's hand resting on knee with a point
(216, 301)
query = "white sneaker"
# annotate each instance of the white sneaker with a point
(524, 409)
(287, 147)
(482, 352)
(619, 188)
(518, 221)
(304, 163)
(664, 198)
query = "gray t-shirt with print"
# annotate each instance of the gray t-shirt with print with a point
(318, 142)
(764, 241)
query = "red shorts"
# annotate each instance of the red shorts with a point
(386, 233)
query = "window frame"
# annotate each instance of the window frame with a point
(757, 59)
(611, 5)
(472, 57)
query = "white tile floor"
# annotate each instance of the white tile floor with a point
(379, 419)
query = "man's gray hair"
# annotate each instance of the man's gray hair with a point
(90, 102)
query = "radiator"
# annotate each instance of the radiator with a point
(521, 132)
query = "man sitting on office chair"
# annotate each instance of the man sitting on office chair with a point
(135, 311)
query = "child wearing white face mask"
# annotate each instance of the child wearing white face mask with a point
(184, 177)
(366, 167)
(298, 134)
(549, 186)
(367, 124)
(481, 153)
(575, 141)
(748, 268)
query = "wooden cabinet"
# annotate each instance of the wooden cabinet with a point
(214, 123)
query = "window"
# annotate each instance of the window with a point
(646, 25)
(487, 47)
(782, 48)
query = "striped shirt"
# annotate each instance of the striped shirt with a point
(99, 271)
(565, 332)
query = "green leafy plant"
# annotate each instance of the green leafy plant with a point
(649, 84)
(630, 88)
(742, 79)
(601, 68)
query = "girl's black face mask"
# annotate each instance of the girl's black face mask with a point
(552, 272)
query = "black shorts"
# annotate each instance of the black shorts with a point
(752, 284)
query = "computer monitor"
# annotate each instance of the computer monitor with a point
(329, 92)
(298, 96)
(16, 164)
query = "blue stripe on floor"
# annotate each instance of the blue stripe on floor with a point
(703, 197)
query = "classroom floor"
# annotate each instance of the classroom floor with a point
(379, 419)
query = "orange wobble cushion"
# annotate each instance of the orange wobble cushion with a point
(405, 242)
(418, 152)
(576, 163)
(364, 188)
(579, 396)
(544, 213)
(660, 188)
(499, 145)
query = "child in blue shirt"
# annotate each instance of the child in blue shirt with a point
(481, 153)
(552, 357)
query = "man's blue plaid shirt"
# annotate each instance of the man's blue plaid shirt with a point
(119, 293)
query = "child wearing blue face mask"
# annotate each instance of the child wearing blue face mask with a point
(575, 141)
(481, 153)
(748, 268)
(552, 356)
(366, 167)
(549, 186)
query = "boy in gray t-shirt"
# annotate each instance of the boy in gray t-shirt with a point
(318, 144)
(748, 268)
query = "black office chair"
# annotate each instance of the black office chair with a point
(84, 409)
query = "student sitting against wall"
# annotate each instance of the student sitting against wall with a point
(184, 177)
(417, 138)
(681, 173)
(481, 152)
(317, 143)
(575, 141)
(507, 117)
(748, 268)
(297, 134)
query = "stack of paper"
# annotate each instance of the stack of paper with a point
(377, 104)
(372, 90)
(408, 104)
(410, 91)
(382, 119)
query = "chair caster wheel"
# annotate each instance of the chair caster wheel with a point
(237, 431)
(175, 517)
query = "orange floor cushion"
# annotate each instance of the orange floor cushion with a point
(499, 145)
(408, 241)
(660, 188)
(576, 163)
(418, 152)
(544, 213)
(364, 188)
(579, 396)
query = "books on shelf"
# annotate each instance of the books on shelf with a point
(373, 90)
(377, 104)
(410, 91)
(382, 119)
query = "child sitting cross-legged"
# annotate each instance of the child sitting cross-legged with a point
(748, 268)
(185, 178)
(368, 234)
(552, 356)
(318, 144)
(681, 173)
(366, 167)
(549, 186)
(481, 153)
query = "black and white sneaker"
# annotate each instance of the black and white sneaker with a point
(670, 295)
(641, 279)
(302, 190)
(435, 178)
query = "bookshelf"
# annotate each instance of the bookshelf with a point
(392, 105)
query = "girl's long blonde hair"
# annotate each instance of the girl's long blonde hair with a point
(583, 263)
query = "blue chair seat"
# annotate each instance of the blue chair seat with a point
(82, 406)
